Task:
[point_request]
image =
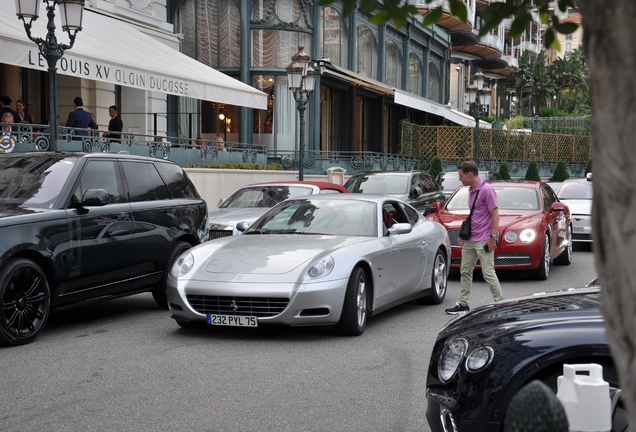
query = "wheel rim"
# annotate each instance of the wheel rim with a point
(24, 304)
(361, 301)
(546, 256)
(439, 275)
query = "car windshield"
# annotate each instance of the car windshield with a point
(508, 198)
(263, 196)
(450, 181)
(379, 184)
(319, 217)
(575, 191)
(28, 181)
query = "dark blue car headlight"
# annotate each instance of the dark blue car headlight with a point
(450, 359)
(479, 359)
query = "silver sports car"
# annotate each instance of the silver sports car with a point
(315, 260)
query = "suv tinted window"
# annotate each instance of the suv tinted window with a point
(178, 183)
(428, 183)
(100, 174)
(144, 182)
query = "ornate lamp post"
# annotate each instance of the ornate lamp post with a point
(474, 91)
(71, 15)
(301, 80)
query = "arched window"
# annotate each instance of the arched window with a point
(334, 36)
(393, 64)
(415, 74)
(367, 52)
(211, 30)
(433, 83)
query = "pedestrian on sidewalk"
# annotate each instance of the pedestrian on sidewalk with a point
(483, 236)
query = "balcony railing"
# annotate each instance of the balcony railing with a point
(511, 60)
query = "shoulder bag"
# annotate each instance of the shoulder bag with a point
(465, 229)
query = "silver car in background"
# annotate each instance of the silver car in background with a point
(315, 260)
(252, 201)
(577, 195)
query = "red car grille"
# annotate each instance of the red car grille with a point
(504, 259)
(244, 306)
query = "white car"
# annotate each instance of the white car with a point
(577, 195)
(252, 201)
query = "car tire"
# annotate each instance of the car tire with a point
(542, 272)
(353, 319)
(566, 256)
(159, 290)
(25, 301)
(439, 281)
(190, 324)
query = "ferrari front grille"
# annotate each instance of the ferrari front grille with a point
(243, 306)
(215, 234)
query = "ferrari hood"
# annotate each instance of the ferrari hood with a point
(235, 215)
(268, 254)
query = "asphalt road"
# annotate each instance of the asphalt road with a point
(124, 365)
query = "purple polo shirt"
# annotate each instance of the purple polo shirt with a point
(481, 226)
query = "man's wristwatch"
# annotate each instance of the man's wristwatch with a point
(494, 236)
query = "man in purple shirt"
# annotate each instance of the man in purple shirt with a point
(483, 235)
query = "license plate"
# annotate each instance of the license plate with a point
(578, 229)
(232, 320)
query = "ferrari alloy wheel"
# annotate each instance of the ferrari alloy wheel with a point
(159, 290)
(439, 281)
(24, 301)
(566, 256)
(542, 272)
(353, 319)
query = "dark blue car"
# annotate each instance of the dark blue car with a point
(481, 359)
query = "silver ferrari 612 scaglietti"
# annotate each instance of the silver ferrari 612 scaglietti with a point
(315, 260)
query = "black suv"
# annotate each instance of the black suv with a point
(78, 227)
(417, 188)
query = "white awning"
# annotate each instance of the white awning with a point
(413, 101)
(110, 50)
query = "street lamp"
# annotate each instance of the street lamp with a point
(301, 80)
(71, 15)
(474, 91)
(458, 68)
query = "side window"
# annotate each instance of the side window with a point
(412, 214)
(100, 174)
(144, 182)
(416, 182)
(548, 197)
(429, 183)
(178, 182)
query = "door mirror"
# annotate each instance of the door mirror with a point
(557, 207)
(435, 207)
(242, 226)
(400, 228)
(94, 198)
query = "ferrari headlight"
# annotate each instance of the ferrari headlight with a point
(511, 237)
(527, 235)
(182, 265)
(321, 268)
(450, 359)
(479, 359)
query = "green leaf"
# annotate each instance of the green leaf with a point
(367, 6)
(520, 24)
(458, 9)
(545, 18)
(433, 16)
(382, 17)
(567, 28)
(548, 38)
(348, 8)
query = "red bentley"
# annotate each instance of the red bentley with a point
(534, 227)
